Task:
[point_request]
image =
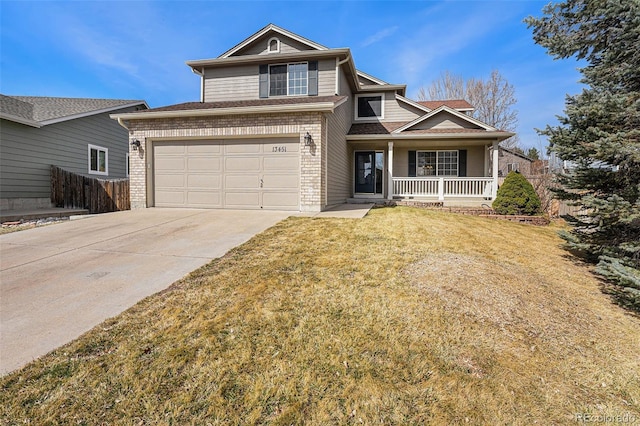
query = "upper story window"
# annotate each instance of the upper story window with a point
(289, 79)
(369, 107)
(300, 78)
(98, 160)
(273, 45)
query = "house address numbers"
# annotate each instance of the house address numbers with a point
(279, 149)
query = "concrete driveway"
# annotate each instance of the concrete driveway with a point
(59, 281)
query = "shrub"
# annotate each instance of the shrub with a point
(516, 196)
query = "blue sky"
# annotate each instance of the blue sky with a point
(138, 49)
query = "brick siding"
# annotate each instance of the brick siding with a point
(312, 191)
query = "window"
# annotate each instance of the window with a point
(513, 167)
(369, 106)
(98, 160)
(290, 79)
(127, 165)
(298, 79)
(437, 163)
(273, 46)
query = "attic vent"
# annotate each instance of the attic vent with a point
(273, 46)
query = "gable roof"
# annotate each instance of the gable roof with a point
(275, 29)
(459, 104)
(442, 109)
(38, 111)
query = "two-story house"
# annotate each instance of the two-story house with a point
(286, 123)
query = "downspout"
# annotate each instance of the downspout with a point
(338, 64)
(122, 124)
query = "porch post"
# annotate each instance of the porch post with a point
(441, 189)
(494, 167)
(390, 171)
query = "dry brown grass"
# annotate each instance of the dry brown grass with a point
(403, 317)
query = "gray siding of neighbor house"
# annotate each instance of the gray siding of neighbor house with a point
(475, 159)
(259, 47)
(26, 153)
(505, 158)
(338, 154)
(242, 82)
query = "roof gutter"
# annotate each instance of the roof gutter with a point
(20, 120)
(400, 136)
(262, 109)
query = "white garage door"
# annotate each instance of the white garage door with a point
(234, 174)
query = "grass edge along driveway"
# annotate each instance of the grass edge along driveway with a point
(404, 317)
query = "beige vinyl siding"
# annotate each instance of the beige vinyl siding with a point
(326, 77)
(338, 153)
(259, 46)
(242, 82)
(399, 111)
(26, 153)
(475, 158)
(445, 120)
(365, 81)
(231, 83)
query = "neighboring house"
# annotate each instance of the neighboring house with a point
(513, 161)
(286, 123)
(72, 133)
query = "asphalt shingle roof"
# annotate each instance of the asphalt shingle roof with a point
(44, 108)
(190, 106)
(451, 103)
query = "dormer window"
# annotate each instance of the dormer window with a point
(273, 46)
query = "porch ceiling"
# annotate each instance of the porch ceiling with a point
(421, 143)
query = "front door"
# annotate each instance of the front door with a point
(369, 169)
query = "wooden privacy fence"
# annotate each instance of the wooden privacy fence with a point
(71, 190)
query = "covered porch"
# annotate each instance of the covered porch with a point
(456, 172)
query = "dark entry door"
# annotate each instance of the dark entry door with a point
(369, 170)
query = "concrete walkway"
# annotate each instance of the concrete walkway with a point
(57, 282)
(348, 211)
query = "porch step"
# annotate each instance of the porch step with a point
(376, 201)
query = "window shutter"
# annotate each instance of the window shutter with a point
(412, 163)
(462, 163)
(313, 78)
(264, 81)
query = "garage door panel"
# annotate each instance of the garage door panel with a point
(242, 199)
(204, 181)
(170, 163)
(232, 182)
(170, 180)
(207, 147)
(281, 163)
(205, 164)
(169, 198)
(171, 148)
(280, 200)
(242, 164)
(204, 198)
(243, 148)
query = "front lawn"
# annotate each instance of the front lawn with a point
(404, 317)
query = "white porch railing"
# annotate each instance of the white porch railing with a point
(442, 187)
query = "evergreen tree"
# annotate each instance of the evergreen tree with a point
(600, 133)
(533, 154)
(516, 196)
